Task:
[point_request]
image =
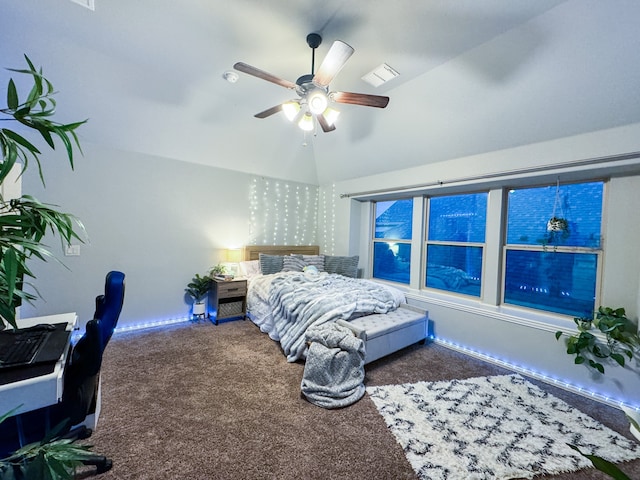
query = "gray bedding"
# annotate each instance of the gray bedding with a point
(299, 301)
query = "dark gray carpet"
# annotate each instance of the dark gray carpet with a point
(199, 401)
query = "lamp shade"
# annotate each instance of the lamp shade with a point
(306, 122)
(233, 255)
(291, 109)
(331, 115)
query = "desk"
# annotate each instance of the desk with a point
(37, 392)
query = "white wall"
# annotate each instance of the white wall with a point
(158, 220)
(517, 336)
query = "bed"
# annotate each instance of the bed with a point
(292, 289)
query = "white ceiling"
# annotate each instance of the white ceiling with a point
(475, 76)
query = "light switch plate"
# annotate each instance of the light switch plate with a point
(72, 251)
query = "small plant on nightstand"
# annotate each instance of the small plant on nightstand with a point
(197, 289)
(218, 269)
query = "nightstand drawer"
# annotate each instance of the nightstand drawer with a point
(229, 299)
(232, 289)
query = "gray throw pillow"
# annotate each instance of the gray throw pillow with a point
(347, 266)
(315, 260)
(293, 263)
(270, 263)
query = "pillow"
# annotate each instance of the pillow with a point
(347, 266)
(248, 268)
(270, 263)
(293, 263)
(315, 260)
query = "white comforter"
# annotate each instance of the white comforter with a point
(285, 304)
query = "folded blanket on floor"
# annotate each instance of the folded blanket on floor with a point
(334, 370)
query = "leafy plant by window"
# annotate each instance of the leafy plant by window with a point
(24, 221)
(620, 342)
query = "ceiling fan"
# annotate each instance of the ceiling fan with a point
(313, 89)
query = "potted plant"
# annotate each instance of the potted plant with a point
(558, 224)
(620, 338)
(634, 420)
(620, 341)
(218, 269)
(53, 458)
(198, 289)
(25, 221)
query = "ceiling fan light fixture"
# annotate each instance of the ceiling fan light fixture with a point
(291, 109)
(331, 115)
(317, 101)
(312, 109)
(306, 122)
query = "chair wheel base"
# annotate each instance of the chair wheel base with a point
(105, 466)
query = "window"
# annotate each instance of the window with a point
(455, 242)
(392, 240)
(553, 265)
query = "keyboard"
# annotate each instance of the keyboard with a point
(23, 347)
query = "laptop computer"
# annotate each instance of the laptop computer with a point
(35, 345)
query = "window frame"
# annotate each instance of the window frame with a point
(599, 251)
(373, 240)
(494, 249)
(426, 242)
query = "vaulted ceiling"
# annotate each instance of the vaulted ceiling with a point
(475, 76)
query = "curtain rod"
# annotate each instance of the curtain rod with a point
(504, 173)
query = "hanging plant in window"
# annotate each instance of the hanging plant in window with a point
(557, 225)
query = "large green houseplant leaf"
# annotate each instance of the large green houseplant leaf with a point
(24, 221)
(52, 458)
(620, 343)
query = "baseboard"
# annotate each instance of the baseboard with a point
(529, 373)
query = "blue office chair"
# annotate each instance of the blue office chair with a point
(109, 305)
(81, 381)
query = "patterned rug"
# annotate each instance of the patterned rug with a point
(497, 427)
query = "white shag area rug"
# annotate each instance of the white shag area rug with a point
(498, 427)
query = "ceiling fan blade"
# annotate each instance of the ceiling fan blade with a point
(256, 72)
(269, 111)
(360, 99)
(323, 123)
(337, 56)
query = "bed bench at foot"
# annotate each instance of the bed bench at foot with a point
(386, 333)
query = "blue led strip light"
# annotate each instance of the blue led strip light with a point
(537, 375)
(150, 324)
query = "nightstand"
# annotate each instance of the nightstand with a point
(229, 299)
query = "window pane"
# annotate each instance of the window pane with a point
(554, 281)
(394, 219)
(531, 208)
(458, 218)
(391, 261)
(454, 268)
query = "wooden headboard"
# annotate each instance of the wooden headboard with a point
(252, 252)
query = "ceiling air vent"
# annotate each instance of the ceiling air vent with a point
(380, 75)
(90, 4)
